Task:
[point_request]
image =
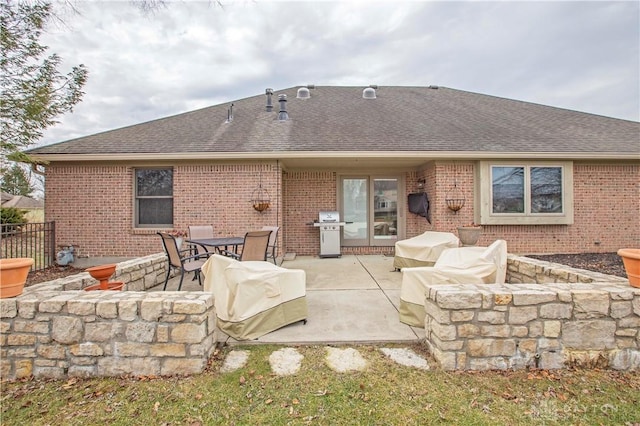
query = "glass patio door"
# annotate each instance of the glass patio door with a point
(370, 205)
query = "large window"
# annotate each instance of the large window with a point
(154, 198)
(532, 193)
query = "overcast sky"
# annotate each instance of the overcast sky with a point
(578, 55)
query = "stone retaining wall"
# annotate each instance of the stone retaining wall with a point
(567, 317)
(56, 330)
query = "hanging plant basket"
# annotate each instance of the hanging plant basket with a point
(454, 199)
(260, 199)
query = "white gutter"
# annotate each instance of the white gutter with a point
(427, 155)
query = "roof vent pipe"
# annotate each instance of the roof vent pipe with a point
(230, 114)
(269, 92)
(283, 115)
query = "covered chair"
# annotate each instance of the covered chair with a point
(423, 249)
(255, 247)
(464, 265)
(253, 298)
(200, 231)
(272, 248)
(180, 259)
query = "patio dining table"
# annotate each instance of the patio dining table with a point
(218, 243)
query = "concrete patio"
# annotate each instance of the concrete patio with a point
(352, 299)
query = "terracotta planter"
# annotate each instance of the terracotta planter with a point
(13, 276)
(113, 285)
(469, 235)
(102, 273)
(631, 260)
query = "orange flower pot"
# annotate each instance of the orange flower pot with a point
(13, 276)
(631, 260)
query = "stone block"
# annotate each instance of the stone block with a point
(128, 349)
(627, 332)
(626, 359)
(173, 318)
(492, 317)
(556, 311)
(447, 360)
(551, 360)
(629, 322)
(527, 346)
(523, 314)
(502, 299)
(462, 316)
(519, 331)
(52, 351)
(107, 309)
(27, 308)
(492, 363)
(168, 350)
(451, 299)
(495, 330)
(468, 330)
(442, 316)
(23, 368)
(8, 308)
(49, 372)
(18, 339)
(442, 331)
(533, 297)
(189, 307)
(86, 349)
(636, 305)
(590, 304)
(621, 309)
(81, 307)
(140, 332)
(187, 366)
(188, 333)
(589, 334)
(110, 366)
(128, 310)
(83, 371)
(151, 309)
(21, 326)
(162, 333)
(99, 331)
(491, 347)
(55, 304)
(552, 328)
(67, 330)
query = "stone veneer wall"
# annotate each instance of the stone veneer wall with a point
(565, 317)
(57, 330)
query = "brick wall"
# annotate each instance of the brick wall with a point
(93, 207)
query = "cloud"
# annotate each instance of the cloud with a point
(577, 55)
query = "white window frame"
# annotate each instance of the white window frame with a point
(484, 198)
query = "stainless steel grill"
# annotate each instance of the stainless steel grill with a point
(329, 225)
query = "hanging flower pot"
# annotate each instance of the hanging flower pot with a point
(631, 260)
(13, 276)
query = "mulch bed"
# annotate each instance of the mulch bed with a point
(606, 263)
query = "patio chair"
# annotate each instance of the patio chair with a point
(423, 249)
(272, 249)
(463, 265)
(180, 259)
(255, 247)
(254, 298)
(200, 231)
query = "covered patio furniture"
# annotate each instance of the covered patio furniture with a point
(272, 248)
(180, 259)
(198, 232)
(463, 265)
(255, 247)
(253, 298)
(423, 249)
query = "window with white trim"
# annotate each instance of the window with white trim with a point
(153, 197)
(531, 193)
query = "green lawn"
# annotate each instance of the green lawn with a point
(385, 393)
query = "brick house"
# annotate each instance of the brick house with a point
(545, 179)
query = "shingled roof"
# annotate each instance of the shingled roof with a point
(435, 121)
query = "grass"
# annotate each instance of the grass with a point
(385, 393)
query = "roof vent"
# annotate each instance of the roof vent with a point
(311, 86)
(369, 93)
(303, 93)
(433, 87)
(283, 115)
(269, 93)
(230, 114)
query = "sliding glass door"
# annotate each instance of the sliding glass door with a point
(371, 209)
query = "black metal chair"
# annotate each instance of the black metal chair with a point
(181, 259)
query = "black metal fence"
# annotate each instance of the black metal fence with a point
(35, 240)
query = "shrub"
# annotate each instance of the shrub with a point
(9, 217)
